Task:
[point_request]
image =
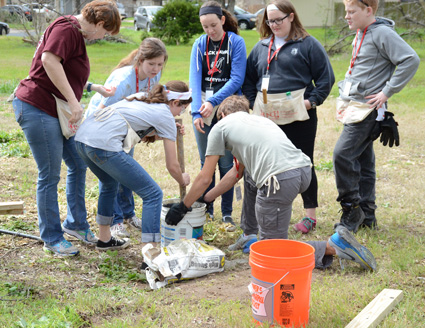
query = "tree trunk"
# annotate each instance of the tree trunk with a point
(381, 8)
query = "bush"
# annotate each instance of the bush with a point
(177, 22)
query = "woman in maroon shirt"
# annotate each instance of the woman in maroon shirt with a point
(60, 67)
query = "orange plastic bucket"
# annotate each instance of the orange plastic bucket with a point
(281, 281)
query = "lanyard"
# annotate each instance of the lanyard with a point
(269, 59)
(237, 166)
(356, 52)
(213, 70)
(137, 81)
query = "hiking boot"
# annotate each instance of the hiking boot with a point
(112, 244)
(230, 226)
(135, 222)
(86, 236)
(242, 242)
(118, 230)
(62, 248)
(352, 216)
(305, 225)
(370, 219)
(348, 248)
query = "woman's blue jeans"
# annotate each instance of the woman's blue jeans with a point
(113, 168)
(49, 147)
(225, 163)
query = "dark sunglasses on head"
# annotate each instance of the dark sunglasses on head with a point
(362, 1)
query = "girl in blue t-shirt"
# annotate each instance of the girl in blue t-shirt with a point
(138, 72)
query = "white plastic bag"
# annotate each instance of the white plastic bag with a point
(181, 259)
(64, 114)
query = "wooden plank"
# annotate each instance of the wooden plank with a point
(11, 208)
(377, 310)
(180, 155)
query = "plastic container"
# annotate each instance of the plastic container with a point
(288, 95)
(281, 281)
(192, 225)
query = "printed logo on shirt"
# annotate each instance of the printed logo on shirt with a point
(294, 51)
(217, 68)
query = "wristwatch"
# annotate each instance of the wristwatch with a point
(313, 105)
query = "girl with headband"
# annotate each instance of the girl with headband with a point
(288, 76)
(104, 141)
(217, 70)
(137, 72)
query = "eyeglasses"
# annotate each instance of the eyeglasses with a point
(277, 21)
(362, 1)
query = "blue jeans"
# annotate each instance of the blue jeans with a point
(124, 202)
(113, 168)
(225, 163)
(49, 147)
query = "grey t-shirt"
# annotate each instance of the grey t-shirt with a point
(256, 142)
(109, 134)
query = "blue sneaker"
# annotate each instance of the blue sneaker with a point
(241, 242)
(62, 248)
(347, 247)
(86, 236)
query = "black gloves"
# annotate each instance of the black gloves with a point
(176, 213)
(202, 200)
(389, 129)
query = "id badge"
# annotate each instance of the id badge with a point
(209, 92)
(347, 88)
(238, 192)
(265, 82)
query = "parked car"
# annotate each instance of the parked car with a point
(143, 17)
(4, 28)
(43, 8)
(246, 20)
(22, 11)
(121, 9)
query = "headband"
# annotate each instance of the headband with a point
(211, 10)
(272, 7)
(174, 95)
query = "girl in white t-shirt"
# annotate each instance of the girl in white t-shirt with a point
(101, 142)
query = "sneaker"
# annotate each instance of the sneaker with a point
(86, 236)
(352, 216)
(241, 242)
(305, 225)
(230, 226)
(347, 247)
(135, 222)
(112, 244)
(118, 230)
(62, 248)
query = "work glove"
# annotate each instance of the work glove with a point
(176, 213)
(389, 134)
(202, 200)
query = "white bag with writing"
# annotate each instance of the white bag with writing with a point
(64, 114)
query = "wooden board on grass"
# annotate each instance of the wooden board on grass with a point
(11, 208)
(377, 310)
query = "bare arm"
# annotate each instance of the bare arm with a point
(172, 163)
(226, 183)
(202, 181)
(55, 72)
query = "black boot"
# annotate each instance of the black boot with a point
(370, 218)
(352, 216)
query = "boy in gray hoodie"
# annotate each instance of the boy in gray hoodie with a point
(382, 63)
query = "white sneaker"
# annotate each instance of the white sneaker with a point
(135, 222)
(119, 231)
